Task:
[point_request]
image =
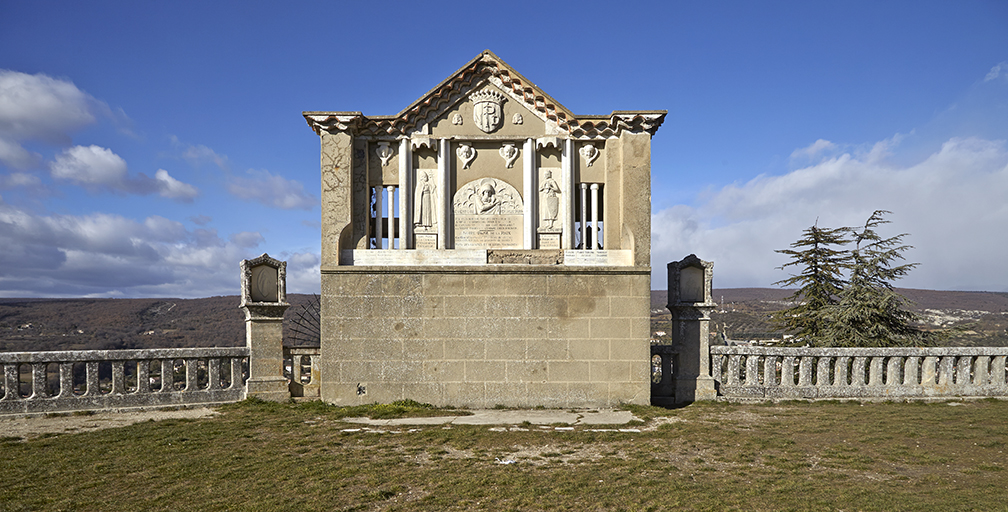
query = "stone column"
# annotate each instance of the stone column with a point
(530, 177)
(445, 219)
(405, 194)
(690, 301)
(263, 299)
(567, 159)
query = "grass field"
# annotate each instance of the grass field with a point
(788, 456)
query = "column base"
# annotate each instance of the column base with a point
(694, 389)
(271, 389)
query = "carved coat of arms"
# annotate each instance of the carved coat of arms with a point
(488, 109)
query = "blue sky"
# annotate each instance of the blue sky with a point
(146, 148)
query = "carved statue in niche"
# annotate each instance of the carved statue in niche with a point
(467, 154)
(509, 153)
(488, 197)
(423, 203)
(551, 199)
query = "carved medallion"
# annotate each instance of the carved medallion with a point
(457, 119)
(590, 153)
(509, 153)
(517, 119)
(384, 152)
(467, 154)
(488, 109)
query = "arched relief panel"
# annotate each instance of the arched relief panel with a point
(488, 214)
(487, 163)
(548, 156)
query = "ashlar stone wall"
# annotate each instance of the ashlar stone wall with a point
(485, 336)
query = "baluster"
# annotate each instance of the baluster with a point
(752, 370)
(38, 380)
(805, 370)
(296, 369)
(236, 372)
(11, 391)
(66, 380)
(929, 372)
(190, 375)
(734, 361)
(981, 371)
(894, 371)
(963, 368)
(875, 371)
(840, 375)
(770, 371)
(143, 376)
(91, 380)
(787, 372)
(716, 363)
(823, 372)
(118, 375)
(911, 368)
(858, 371)
(946, 371)
(316, 377)
(997, 375)
(213, 374)
(167, 375)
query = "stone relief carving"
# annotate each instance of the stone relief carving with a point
(509, 153)
(488, 196)
(457, 119)
(467, 154)
(590, 153)
(384, 152)
(517, 119)
(488, 109)
(424, 216)
(550, 200)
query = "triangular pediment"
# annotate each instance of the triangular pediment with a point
(448, 110)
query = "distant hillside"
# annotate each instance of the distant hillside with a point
(993, 302)
(101, 324)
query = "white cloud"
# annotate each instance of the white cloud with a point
(303, 274)
(952, 203)
(172, 188)
(999, 69)
(271, 190)
(90, 166)
(99, 169)
(196, 155)
(247, 239)
(110, 255)
(812, 150)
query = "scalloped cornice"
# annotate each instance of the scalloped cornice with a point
(486, 68)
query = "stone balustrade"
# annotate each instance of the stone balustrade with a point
(301, 367)
(74, 380)
(757, 372)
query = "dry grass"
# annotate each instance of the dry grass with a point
(791, 456)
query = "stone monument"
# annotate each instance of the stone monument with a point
(264, 300)
(486, 246)
(690, 284)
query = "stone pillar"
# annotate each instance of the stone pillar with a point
(263, 299)
(531, 189)
(445, 219)
(691, 302)
(567, 160)
(405, 195)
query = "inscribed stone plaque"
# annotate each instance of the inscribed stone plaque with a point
(426, 240)
(264, 284)
(488, 214)
(549, 240)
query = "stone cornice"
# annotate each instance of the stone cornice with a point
(487, 68)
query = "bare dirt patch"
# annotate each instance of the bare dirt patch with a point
(28, 427)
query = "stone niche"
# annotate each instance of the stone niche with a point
(486, 246)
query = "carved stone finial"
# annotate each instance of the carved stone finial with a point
(384, 152)
(590, 153)
(509, 153)
(467, 154)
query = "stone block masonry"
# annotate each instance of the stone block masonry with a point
(485, 336)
